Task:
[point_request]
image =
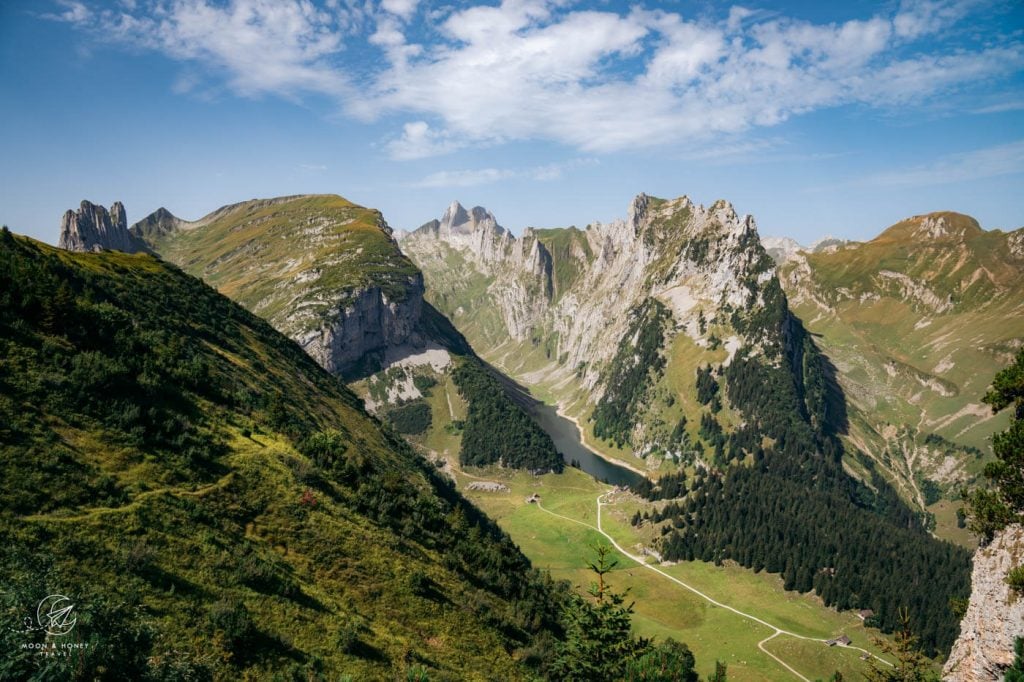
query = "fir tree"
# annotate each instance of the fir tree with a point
(1002, 504)
(911, 665)
(599, 643)
(1016, 672)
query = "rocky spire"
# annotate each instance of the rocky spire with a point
(93, 228)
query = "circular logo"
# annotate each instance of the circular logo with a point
(56, 615)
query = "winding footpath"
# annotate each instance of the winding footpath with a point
(640, 560)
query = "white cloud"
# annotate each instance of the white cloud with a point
(921, 17)
(402, 8)
(999, 108)
(546, 70)
(521, 70)
(989, 162)
(419, 141)
(74, 12)
(464, 178)
(484, 176)
(260, 46)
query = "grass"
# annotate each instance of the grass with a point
(233, 508)
(662, 608)
(909, 370)
(292, 261)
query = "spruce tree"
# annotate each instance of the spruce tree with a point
(993, 509)
(911, 665)
(599, 643)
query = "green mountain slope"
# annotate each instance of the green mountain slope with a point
(319, 268)
(917, 320)
(328, 273)
(218, 506)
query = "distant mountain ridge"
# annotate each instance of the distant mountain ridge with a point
(918, 320)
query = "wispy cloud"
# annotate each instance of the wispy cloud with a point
(595, 80)
(1000, 108)
(485, 176)
(1005, 159)
(73, 12)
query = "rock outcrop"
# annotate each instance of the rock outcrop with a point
(995, 615)
(93, 228)
(366, 326)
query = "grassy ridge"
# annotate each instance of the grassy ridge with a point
(217, 505)
(291, 260)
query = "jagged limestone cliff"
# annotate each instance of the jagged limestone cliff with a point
(917, 320)
(995, 615)
(554, 307)
(93, 228)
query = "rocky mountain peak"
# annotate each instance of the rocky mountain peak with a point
(458, 221)
(932, 227)
(781, 249)
(724, 211)
(159, 223)
(638, 211)
(455, 214)
(93, 228)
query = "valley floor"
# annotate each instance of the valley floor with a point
(723, 613)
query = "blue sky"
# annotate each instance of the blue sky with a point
(817, 118)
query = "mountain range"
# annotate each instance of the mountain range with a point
(831, 393)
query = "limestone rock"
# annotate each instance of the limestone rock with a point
(568, 292)
(93, 228)
(995, 616)
(368, 324)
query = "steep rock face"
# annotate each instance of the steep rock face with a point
(995, 616)
(367, 324)
(93, 228)
(522, 266)
(693, 258)
(553, 306)
(324, 271)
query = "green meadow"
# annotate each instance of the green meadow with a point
(663, 608)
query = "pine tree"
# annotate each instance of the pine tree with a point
(669, 661)
(720, 673)
(1016, 672)
(599, 642)
(911, 664)
(993, 509)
